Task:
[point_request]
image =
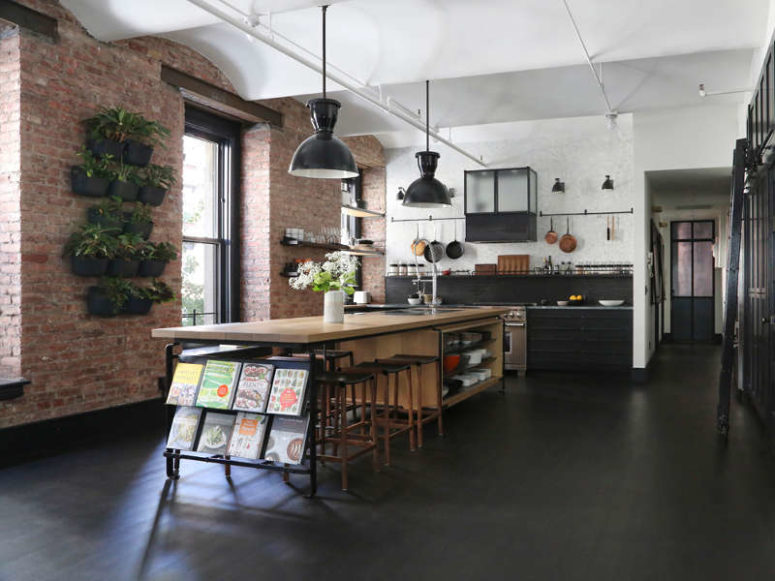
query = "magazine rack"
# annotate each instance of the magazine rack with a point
(308, 463)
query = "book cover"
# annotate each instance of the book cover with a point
(217, 387)
(183, 430)
(216, 431)
(286, 440)
(287, 395)
(247, 439)
(184, 384)
(252, 392)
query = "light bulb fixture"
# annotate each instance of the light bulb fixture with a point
(426, 191)
(401, 193)
(558, 187)
(608, 184)
(323, 155)
(611, 120)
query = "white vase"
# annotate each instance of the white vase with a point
(333, 307)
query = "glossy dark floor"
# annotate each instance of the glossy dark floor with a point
(560, 478)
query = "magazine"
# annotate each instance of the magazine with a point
(184, 427)
(247, 439)
(287, 395)
(253, 388)
(286, 440)
(217, 386)
(184, 384)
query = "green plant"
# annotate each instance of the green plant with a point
(336, 273)
(94, 167)
(92, 241)
(140, 214)
(124, 173)
(116, 289)
(130, 247)
(159, 176)
(158, 292)
(114, 123)
(149, 132)
(110, 208)
(163, 252)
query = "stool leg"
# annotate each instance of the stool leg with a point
(410, 410)
(386, 417)
(227, 468)
(438, 398)
(373, 423)
(343, 433)
(419, 406)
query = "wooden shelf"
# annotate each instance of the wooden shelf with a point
(355, 252)
(305, 244)
(467, 392)
(468, 347)
(483, 363)
(361, 212)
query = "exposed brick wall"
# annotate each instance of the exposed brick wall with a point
(10, 224)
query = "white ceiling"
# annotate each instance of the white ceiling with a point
(490, 61)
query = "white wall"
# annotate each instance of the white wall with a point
(699, 137)
(580, 151)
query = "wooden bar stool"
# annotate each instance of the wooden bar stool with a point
(423, 417)
(335, 427)
(392, 424)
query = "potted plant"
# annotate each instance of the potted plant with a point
(90, 249)
(334, 277)
(92, 177)
(156, 180)
(108, 297)
(144, 136)
(109, 129)
(124, 182)
(156, 257)
(142, 298)
(138, 221)
(107, 214)
(126, 256)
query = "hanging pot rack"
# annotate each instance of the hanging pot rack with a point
(430, 218)
(587, 213)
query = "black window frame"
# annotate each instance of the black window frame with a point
(227, 134)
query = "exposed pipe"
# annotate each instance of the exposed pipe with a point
(609, 110)
(336, 76)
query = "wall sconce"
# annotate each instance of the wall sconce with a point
(608, 184)
(401, 192)
(558, 187)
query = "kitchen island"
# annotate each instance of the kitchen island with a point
(369, 335)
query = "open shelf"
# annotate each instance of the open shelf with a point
(465, 348)
(305, 244)
(289, 274)
(483, 363)
(359, 252)
(467, 392)
(361, 212)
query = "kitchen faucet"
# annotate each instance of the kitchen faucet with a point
(434, 269)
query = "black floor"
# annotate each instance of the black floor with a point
(561, 478)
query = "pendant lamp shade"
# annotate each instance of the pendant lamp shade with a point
(323, 155)
(608, 184)
(427, 191)
(558, 187)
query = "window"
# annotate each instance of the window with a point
(210, 254)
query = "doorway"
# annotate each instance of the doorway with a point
(692, 291)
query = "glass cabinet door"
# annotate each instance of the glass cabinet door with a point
(512, 190)
(480, 192)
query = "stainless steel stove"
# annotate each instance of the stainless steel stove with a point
(514, 335)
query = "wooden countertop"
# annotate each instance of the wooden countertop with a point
(306, 330)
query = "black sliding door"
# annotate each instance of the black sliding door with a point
(692, 280)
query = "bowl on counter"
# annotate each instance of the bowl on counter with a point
(414, 301)
(562, 303)
(611, 302)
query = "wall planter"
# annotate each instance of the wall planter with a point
(105, 220)
(151, 195)
(98, 303)
(127, 191)
(137, 153)
(102, 147)
(87, 266)
(84, 185)
(125, 268)
(152, 267)
(138, 306)
(142, 228)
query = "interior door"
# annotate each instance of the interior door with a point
(692, 312)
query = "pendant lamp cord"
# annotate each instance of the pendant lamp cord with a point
(427, 117)
(324, 50)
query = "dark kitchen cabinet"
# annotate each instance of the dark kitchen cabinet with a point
(501, 205)
(579, 339)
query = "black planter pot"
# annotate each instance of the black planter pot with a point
(127, 191)
(97, 303)
(100, 147)
(136, 306)
(84, 266)
(137, 153)
(104, 220)
(125, 268)
(86, 186)
(143, 229)
(151, 195)
(152, 268)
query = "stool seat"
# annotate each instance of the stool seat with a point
(333, 353)
(380, 367)
(413, 359)
(344, 377)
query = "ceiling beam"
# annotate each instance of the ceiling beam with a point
(29, 19)
(212, 97)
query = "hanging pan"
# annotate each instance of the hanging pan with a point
(567, 242)
(551, 235)
(418, 245)
(455, 248)
(435, 250)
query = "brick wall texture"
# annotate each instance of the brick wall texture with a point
(77, 362)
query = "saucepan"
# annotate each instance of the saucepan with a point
(435, 250)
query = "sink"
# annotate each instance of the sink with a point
(422, 311)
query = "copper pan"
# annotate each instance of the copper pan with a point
(551, 235)
(568, 242)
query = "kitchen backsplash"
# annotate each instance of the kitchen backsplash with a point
(580, 151)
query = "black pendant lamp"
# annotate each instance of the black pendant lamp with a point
(608, 184)
(558, 187)
(323, 155)
(427, 191)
